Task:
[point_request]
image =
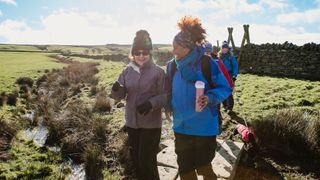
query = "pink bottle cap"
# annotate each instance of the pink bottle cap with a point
(199, 85)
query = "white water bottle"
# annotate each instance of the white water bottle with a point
(199, 91)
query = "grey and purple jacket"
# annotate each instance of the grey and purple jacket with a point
(140, 85)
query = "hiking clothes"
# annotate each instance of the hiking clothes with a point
(194, 152)
(185, 119)
(224, 71)
(144, 145)
(139, 86)
(230, 63)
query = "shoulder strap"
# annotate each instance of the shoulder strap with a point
(171, 69)
(172, 66)
(206, 70)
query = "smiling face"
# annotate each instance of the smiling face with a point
(141, 57)
(224, 50)
(178, 51)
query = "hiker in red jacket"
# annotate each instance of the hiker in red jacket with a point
(230, 62)
(209, 52)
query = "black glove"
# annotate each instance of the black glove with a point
(234, 79)
(231, 137)
(144, 108)
(116, 86)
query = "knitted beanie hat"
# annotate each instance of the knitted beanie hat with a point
(184, 39)
(142, 41)
(208, 47)
(225, 45)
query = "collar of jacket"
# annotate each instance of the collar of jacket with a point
(185, 65)
(225, 56)
(136, 68)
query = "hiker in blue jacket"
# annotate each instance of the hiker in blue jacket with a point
(195, 132)
(230, 62)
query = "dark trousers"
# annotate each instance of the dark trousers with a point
(144, 144)
(219, 119)
(229, 102)
(195, 153)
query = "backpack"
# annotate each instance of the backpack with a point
(205, 68)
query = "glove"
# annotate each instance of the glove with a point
(234, 79)
(231, 137)
(116, 86)
(144, 108)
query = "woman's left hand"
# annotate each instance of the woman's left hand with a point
(203, 101)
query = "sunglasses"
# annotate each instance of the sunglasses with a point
(138, 53)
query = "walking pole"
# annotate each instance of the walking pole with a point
(239, 102)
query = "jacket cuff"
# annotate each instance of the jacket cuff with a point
(212, 98)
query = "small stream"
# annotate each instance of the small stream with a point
(39, 135)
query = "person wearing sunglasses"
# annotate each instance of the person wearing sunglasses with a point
(142, 84)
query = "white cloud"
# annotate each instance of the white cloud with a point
(308, 16)
(234, 6)
(194, 4)
(272, 33)
(300, 29)
(274, 4)
(13, 2)
(65, 28)
(248, 8)
(1, 13)
(11, 25)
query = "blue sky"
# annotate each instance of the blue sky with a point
(116, 21)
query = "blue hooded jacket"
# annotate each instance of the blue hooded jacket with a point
(231, 64)
(185, 119)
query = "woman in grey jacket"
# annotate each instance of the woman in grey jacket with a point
(142, 84)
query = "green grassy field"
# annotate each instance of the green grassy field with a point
(13, 47)
(80, 49)
(30, 161)
(90, 50)
(42, 162)
(109, 72)
(17, 64)
(165, 48)
(262, 95)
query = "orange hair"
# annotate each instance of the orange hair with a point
(192, 26)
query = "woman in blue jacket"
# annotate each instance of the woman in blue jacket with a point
(195, 132)
(230, 62)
